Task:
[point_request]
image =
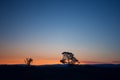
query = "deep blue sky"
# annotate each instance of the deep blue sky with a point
(89, 28)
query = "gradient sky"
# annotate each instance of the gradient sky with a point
(43, 29)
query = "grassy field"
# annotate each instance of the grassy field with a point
(60, 72)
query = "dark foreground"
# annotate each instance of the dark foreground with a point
(60, 72)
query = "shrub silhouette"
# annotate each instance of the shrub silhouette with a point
(28, 61)
(68, 58)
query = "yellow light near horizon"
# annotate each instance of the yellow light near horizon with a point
(41, 61)
(35, 62)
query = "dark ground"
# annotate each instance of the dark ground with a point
(60, 72)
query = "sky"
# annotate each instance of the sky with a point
(43, 29)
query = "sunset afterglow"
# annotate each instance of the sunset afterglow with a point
(43, 29)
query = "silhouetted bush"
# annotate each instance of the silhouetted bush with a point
(28, 61)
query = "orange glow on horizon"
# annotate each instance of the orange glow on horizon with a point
(35, 62)
(44, 61)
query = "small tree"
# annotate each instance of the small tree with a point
(68, 58)
(28, 61)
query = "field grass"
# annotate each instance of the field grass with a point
(60, 72)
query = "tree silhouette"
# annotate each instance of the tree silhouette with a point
(28, 61)
(68, 58)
